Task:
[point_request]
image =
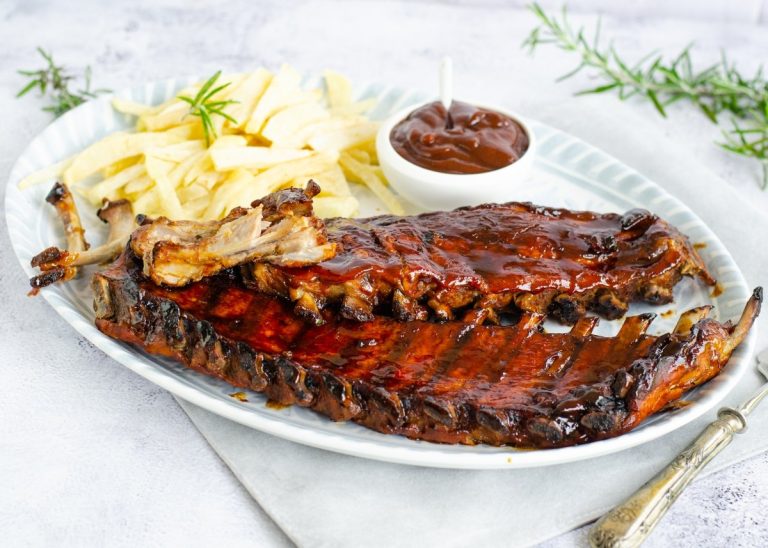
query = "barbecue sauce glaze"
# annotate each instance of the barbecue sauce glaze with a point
(440, 382)
(497, 248)
(464, 139)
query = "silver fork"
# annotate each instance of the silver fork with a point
(630, 523)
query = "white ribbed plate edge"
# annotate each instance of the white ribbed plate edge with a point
(568, 173)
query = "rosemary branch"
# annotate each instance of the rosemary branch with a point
(205, 108)
(55, 81)
(718, 90)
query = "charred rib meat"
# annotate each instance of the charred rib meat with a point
(485, 259)
(452, 382)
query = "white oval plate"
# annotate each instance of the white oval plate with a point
(568, 173)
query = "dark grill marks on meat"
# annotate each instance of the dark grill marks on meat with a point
(475, 262)
(445, 382)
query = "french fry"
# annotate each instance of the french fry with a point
(196, 207)
(283, 91)
(253, 157)
(335, 206)
(119, 166)
(238, 182)
(332, 182)
(192, 193)
(360, 155)
(109, 186)
(281, 127)
(203, 165)
(158, 170)
(370, 148)
(177, 152)
(147, 203)
(233, 82)
(356, 108)
(242, 190)
(45, 174)
(358, 172)
(120, 146)
(179, 173)
(282, 136)
(229, 141)
(139, 184)
(301, 138)
(248, 95)
(131, 107)
(344, 138)
(338, 89)
(210, 179)
(172, 115)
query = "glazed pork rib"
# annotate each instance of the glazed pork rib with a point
(451, 382)
(490, 258)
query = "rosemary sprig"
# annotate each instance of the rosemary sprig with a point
(717, 90)
(203, 106)
(55, 80)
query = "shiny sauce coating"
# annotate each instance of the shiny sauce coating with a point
(464, 139)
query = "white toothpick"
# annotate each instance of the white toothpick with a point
(446, 82)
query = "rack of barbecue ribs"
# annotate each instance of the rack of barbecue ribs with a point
(412, 347)
(450, 382)
(480, 261)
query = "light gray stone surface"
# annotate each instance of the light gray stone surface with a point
(92, 454)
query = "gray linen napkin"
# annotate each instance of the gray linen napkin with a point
(324, 499)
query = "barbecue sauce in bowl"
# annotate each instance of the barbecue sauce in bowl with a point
(464, 139)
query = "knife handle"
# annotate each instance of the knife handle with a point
(630, 523)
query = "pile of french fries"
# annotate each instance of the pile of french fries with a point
(281, 135)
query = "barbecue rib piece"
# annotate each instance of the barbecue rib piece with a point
(490, 258)
(279, 228)
(449, 382)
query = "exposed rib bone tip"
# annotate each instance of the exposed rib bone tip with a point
(687, 319)
(584, 326)
(757, 294)
(635, 326)
(57, 192)
(531, 320)
(110, 207)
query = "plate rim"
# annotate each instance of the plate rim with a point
(421, 453)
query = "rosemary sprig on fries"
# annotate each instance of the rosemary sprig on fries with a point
(205, 107)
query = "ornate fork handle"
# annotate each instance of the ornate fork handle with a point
(632, 521)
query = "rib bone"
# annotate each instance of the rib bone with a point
(61, 198)
(62, 265)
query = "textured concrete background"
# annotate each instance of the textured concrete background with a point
(92, 454)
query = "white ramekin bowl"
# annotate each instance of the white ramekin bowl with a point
(433, 190)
